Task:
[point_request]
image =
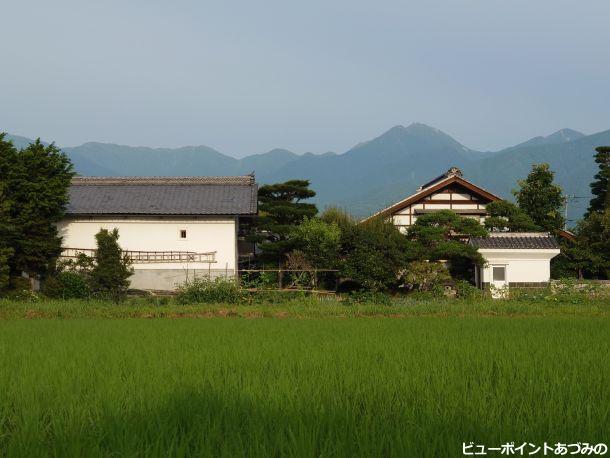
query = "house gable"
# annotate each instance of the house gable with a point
(451, 193)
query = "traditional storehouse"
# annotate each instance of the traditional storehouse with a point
(173, 228)
(449, 191)
(512, 259)
(515, 259)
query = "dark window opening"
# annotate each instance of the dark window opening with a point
(182, 233)
(499, 273)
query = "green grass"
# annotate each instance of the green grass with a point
(416, 386)
(304, 308)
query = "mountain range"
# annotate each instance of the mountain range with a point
(370, 175)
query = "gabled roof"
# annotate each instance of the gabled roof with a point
(163, 196)
(516, 241)
(453, 176)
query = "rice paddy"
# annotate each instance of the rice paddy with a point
(326, 386)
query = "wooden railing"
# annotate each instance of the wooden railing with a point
(143, 257)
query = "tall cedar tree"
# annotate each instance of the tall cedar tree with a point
(35, 183)
(280, 209)
(541, 199)
(112, 269)
(599, 188)
(8, 157)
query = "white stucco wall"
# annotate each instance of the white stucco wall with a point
(522, 266)
(204, 234)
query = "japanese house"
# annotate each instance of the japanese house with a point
(512, 259)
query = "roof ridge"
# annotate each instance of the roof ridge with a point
(244, 180)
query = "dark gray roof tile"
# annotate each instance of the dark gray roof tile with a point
(163, 196)
(516, 241)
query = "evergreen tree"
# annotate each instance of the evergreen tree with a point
(541, 199)
(599, 188)
(7, 157)
(280, 210)
(373, 254)
(34, 184)
(112, 269)
(440, 236)
(506, 216)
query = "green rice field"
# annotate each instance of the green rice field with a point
(294, 386)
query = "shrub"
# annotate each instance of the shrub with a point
(112, 269)
(67, 285)
(206, 291)
(368, 297)
(466, 290)
(424, 276)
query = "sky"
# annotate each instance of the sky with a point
(317, 75)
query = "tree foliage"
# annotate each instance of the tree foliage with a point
(112, 269)
(506, 216)
(541, 199)
(599, 187)
(372, 254)
(34, 184)
(424, 275)
(280, 209)
(318, 241)
(441, 236)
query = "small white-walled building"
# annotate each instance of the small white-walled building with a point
(173, 228)
(515, 259)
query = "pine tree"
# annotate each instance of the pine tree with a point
(112, 269)
(280, 210)
(541, 199)
(599, 187)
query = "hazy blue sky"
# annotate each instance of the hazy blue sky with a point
(247, 76)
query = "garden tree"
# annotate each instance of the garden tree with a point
(589, 255)
(338, 216)
(280, 209)
(112, 269)
(593, 241)
(318, 241)
(506, 216)
(599, 188)
(440, 236)
(424, 275)
(372, 254)
(8, 155)
(541, 199)
(35, 183)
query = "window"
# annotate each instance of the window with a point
(183, 234)
(499, 273)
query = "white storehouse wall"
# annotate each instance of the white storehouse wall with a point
(204, 234)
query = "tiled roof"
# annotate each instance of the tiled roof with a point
(163, 196)
(516, 241)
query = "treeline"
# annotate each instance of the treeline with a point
(375, 255)
(290, 232)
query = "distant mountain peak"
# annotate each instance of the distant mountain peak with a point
(564, 135)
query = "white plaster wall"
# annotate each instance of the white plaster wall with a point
(464, 206)
(401, 220)
(522, 266)
(151, 234)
